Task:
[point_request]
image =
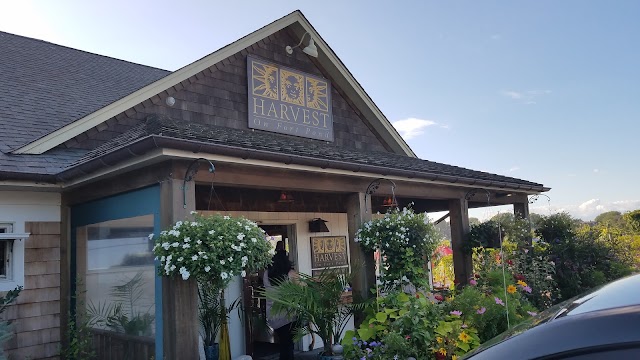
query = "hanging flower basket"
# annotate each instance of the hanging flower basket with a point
(212, 249)
(486, 235)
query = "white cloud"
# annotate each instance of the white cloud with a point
(412, 127)
(527, 97)
(589, 209)
(513, 168)
(596, 170)
(496, 37)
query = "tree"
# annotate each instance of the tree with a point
(611, 219)
(632, 219)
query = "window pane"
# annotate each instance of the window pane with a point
(119, 280)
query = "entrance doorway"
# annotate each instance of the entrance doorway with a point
(260, 339)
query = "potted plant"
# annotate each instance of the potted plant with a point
(318, 304)
(486, 234)
(211, 315)
(213, 250)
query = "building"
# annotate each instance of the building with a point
(96, 153)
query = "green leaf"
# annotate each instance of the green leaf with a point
(382, 317)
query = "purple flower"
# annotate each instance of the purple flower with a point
(532, 313)
(456, 313)
(473, 282)
(464, 326)
(527, 289)
(481, 310)
(499, 301)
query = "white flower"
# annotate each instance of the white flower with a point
(173, 267)
(175, 244)
(194, 223)
(230, 258)
(166, 245)
(198, 242)
(247, 227)
(151, 236)
(222, 262)
(254, 239)
(211, 232)
(243, 273)
(224, 275)
(186, 246)
(169, 258)
(187, 239)
(178, 224)
(205, 256)
(242, 244)
(162, 259)
(207, 268)
(241, 236)
(194, 257)
(193, 212)
(245, 259)
(180, 259)
(226, 217)
(185, 273)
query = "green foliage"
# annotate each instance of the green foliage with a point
(317, 301)
(455, 337)
(122, 314)
(484, 234)
(211, 311)
(399, 324)
(405, 239)
(611, 219)
(632, 219)
(5, 326)
(78, 336)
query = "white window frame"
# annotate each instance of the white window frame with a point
(7, 239)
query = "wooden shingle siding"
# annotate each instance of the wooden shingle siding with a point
(36, 314)
(218, 96)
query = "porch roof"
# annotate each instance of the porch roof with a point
(160, 131)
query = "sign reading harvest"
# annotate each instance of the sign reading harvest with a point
(287, 101)
(328, 251)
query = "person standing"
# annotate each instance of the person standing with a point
(283, 325)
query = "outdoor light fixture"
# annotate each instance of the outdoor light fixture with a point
(285, 197)
(387, 202)
(318, 225)
(310, 49)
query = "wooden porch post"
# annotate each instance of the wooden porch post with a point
(462, 264)
(179, 297)
(357, 214)
(521, 210)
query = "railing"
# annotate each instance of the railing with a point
(111, 345)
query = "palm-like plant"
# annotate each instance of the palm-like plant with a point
(209, 312)
(316, 302)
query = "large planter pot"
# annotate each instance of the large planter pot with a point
(211, 352)
(337, 353)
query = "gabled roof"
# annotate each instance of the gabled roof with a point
(163, 132)
(45, 87)
(299, 25)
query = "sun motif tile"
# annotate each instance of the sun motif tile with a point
(317, 97)
(291, 87)
(264, 80)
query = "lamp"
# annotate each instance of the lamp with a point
(285, 197)
(310, 49)
(318, 225)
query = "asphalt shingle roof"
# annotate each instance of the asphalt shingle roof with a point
(44, 86)
(286, 145)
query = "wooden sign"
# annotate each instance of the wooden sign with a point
(329, 251)
(288, 101)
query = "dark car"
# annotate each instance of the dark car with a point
(603, 324)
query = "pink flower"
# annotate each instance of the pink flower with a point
(473, 282)
(532, 313)
(464, 326)
(456, 313)
(481, 310)
(527, 289)
(499, 301)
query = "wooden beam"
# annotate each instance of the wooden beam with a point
(357, 214)
(462, 263)
(179, 297)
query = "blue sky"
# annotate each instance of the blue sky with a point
(541, 90)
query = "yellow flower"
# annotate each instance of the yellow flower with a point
(522, 283)
(511, 289)
(443, 351)
(439, 339)
(464, 337)
(454, 357)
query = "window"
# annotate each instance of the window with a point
(6, 247)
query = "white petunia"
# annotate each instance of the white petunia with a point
(241, 236)
(187, 239)
(175, 244)
(207, 268)
(224, 275)
(194, 257)
(243, 273)
(166, 245)
(185, 273)
(151, 236)
(222, 262)
(186, 246)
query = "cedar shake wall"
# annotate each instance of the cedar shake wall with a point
(35, 315)
(218, 96)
